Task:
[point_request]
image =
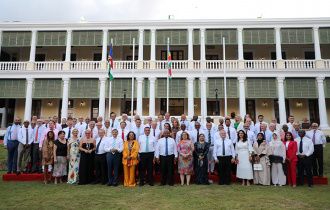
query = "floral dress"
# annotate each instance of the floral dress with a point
(186, 165)
(73, 175)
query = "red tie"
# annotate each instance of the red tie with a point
(55, 125)
(92, 134)
(36, 138)
(122, 135)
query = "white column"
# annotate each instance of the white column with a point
(242, 105)
(68, 46)
(139, 95)
(281, 100)
(191, 96)
(278, 43)
(202, 44)
(322, 105)
(240, 44)
(152, 102)
(317, 48)
(102, 96)
(140, 58)
(203, 97)
(33, 47)
(105, 45)
(0, 41)
(28, 99)
(190, 45)
(4, 114)
(65, 97)
(153, 45)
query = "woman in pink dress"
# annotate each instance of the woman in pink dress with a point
(185, 150)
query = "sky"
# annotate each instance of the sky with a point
(116, 10)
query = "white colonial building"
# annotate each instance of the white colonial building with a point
(275, 67)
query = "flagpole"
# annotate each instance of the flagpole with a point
(168, 88)
(132, 102)
(224, 72)
(110, 94)
(203, 97)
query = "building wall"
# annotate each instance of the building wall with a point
(299, 113)
(83, 110)
(50, 110)
(20, 109)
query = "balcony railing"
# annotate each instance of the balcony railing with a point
(299, 64)
(146, 65)
(48, 66)
(260, 64)
(175, 64)
(13, 66)
(219, 64)
(82, 65)
(124, 65)
(327, 64)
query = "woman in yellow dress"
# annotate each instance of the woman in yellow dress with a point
(130, 153)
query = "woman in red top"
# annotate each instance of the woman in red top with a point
(291, 157)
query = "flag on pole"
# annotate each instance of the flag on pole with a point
(110, 60)
(169, 63)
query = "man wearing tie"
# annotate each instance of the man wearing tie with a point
(196, 132)
(51, 127)
(231, 135)
(68, 130)
(147, 146)
(138, 129)
(37, 154)
(209, 138)
(114, 147)
(154, 131)
(319, 142)
(160, 123)
(11, 144)
(25, 138)
(224, 155)
(296, 129)
(167, 119)
(113, 122)
(251, 136)
(80, 123)
(122, 132)
(107, 128)
(100, 159)
(290, 124)
(124, 119)
(57, 125)
(46, 122)
(305, 149)
(95, 131)
(84, 127)
(209, 120)
(166, 154)
(261, 121)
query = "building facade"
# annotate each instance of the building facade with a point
(274, 67)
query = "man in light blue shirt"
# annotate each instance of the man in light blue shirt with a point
(37, 154)
(11, 144)
(113, 122)
(184, 120)
(296, 129)
(268, 136)
(251, 127)
(138, 129)
(209, 137)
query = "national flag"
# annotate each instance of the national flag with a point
(169, 64)
(110, 60)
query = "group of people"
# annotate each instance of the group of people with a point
(87, 152)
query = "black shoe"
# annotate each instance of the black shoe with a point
(96, 183)
(151, 184)
(141, 184)
(315, 175)
(32, 172)
(103, 183)
(212, 173)
(157, 173)
(221, 184)
(40, 172)
(18, 173)
(171, 185)
(25, 172)
(300, 185)
(162, 185)
(115, 185)
(311, 185)
(9, 172)
(109, 185)
(321, 175)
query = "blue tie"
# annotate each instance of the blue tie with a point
(166, 148)
(98, 146)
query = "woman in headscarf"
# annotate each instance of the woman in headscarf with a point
(261, 153)
(278, 159)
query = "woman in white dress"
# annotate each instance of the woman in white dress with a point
(278, 159)
(243, 152)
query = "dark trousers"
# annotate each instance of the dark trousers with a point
(101, 168)
(305, 164)
(224, 167)
(157, 167)
(37, 157)
(146, 163)
(318, 154)
(167, 168)
(12, 155)
(121, 166)
(114, 161)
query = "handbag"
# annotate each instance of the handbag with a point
(257, 167)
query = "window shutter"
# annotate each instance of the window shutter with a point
(51, 38)
(258, 36)
(84, 88)
(177, 88)
(297, 36)
(196, 37)
(177, 37)
(43, 88)
(217, 83)
(261, 88)
(87, 38)
(147, 38)
(121, 38)
(324, 35)
(118, 87)
(300, 88)
(327, 87)
(146, 87)
(197, 89)
(16, 39)
(12, 88)
(214, 36)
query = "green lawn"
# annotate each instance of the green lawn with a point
(27, 195)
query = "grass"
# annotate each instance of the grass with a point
(32, 195)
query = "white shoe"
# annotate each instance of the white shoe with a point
(275, 185)
(210, 181)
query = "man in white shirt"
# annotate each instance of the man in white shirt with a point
(95, 131)
(209, 138)
(100, 120)
(80, 123)
(261, 121)
(74, 123)
(251, 127)
(305, 149)
(122, 132)
(100, 159)
(68, 130)
(84, 127)
(107, 128)
(154, 131)
(25, 138)
(160, 123)
(138, 129)
(214, 126)
(194, 134)
(167, 118)
(113, 122)
(133, 124)
(319, 141)
(224, 155)
(184, 120)
(46, 121)
(178, 134)
(192, 123)
(231, 132)
(290, 124)
(57, 125)
(166, 154)
(149, 121)
(114, 146)
(37, 154)
(217, 134)
(278, 126)
(124, 119)
(251, 135)
(147, 146)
